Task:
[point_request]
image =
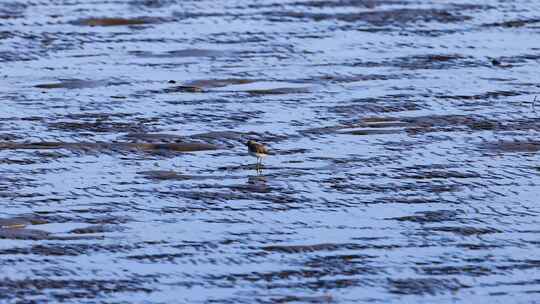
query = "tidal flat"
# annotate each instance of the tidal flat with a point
(405, 151)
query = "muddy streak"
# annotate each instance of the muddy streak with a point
(148, 147)
(113, 21)
(404, 140)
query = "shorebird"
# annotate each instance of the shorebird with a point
(257, 150)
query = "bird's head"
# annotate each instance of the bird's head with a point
(249, 142)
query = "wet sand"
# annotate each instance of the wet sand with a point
(405, 151)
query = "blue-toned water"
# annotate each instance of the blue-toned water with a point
(405, 162)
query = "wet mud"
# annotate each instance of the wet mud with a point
(404, 145)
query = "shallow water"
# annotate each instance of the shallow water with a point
(405, 146)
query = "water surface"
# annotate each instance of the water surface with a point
(405, 164)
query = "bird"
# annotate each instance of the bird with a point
(495, 62)
(257, 150)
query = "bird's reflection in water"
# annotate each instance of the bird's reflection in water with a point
(258, 183)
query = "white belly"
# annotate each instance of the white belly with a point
(258, 155)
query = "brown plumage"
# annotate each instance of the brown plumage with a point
(258, 150)
(255, 147)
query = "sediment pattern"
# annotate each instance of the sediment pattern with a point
(405, 151)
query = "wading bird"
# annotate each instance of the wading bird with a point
(257, 150)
